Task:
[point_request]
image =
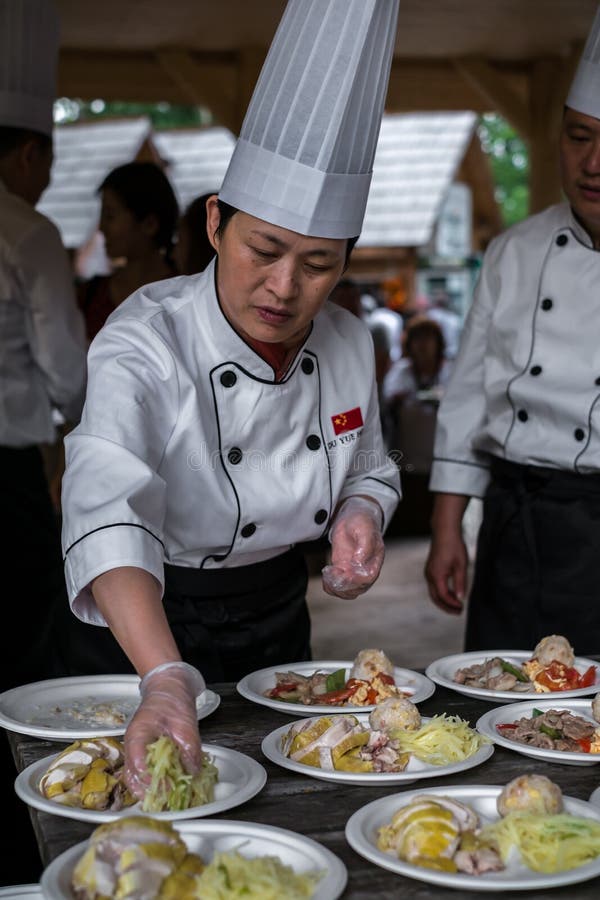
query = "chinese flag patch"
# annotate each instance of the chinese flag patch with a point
(347, 421)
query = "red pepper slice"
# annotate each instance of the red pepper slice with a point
(588, 678)
(585, 744)
(335, 697)
(283, 688)
(387, 679)
(506, 726)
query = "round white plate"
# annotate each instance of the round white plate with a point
(513, 711)
(253, 686)
(442, 672)
(240, 778)
(64, 709)
(595, 797)
(206, 838)
(414, 771)
(22, 892)
(361, 834)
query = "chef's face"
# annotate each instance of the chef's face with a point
(271, 281)
(580, 168)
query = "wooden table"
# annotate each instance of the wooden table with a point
(320, 809)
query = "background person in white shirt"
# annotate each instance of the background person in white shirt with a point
(519, 424)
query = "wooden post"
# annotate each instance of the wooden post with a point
(545, 107)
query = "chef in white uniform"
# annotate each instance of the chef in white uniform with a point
(42, 370)
(42, 340)
(233, 415)
(520, 421)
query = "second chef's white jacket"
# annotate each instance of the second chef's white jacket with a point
(42, 336)
(526, 383)
(189, 453)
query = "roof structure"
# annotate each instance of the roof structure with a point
(417, 158)
(83, 155)
(195, 160)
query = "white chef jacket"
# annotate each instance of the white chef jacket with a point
(42, 335)
(190, 453)
(526, 382)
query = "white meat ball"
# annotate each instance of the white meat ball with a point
(395, 712)
(554, 647)
(532, 794)
(368, 663)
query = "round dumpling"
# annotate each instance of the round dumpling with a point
(531, 794)
(368, 663)
(395, 712)
(554, 647)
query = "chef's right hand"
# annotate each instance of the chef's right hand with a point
(168, 707)
(446, 570)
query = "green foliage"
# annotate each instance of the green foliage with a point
(509, 159)
(162, 115)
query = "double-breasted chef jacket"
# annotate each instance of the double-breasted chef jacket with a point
(526, 383)
(189, 453)
(520, 425)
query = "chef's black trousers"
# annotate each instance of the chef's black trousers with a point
(226, 622)
(537, 568)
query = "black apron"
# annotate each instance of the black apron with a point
(226, 622)
(537, 568)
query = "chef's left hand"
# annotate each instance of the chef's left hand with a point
(357, 548)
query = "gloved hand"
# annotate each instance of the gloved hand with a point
(168, 707)
(357, 548)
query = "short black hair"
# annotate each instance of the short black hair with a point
(226, 212)
(145, 190)
(12, 138)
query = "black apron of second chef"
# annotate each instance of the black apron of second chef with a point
(226, 622)
(537, 569)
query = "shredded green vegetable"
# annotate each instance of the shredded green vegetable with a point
(441, 741)
(231, 876)
(547, 843)
(171, 788)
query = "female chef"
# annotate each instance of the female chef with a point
(233, 414)
(519, 422)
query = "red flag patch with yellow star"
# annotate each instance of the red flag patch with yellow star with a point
(347, 421)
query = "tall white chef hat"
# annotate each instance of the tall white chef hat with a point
(29, 36)
(305, 153)
(584, 94)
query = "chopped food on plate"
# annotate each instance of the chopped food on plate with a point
(554, 729)
(550, 668)
(140, 858)
(369, 681)
(343, 743)
(439, 832)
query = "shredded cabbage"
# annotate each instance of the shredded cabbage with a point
(231, 875)
(171, 788)
(547, 843)
(441, 741)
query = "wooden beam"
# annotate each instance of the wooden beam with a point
(493, 87)
(181, 67)
(546, 103)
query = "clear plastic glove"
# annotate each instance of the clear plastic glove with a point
(168, 707)
(357, 548)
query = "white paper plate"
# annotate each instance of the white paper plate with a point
(63, 709)
(253, 686)
(595, 797)
(414, 771)
(208, 837)
(22, 892)
(361, 834)
(513, 711)
(240, 778)
(442, 672)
